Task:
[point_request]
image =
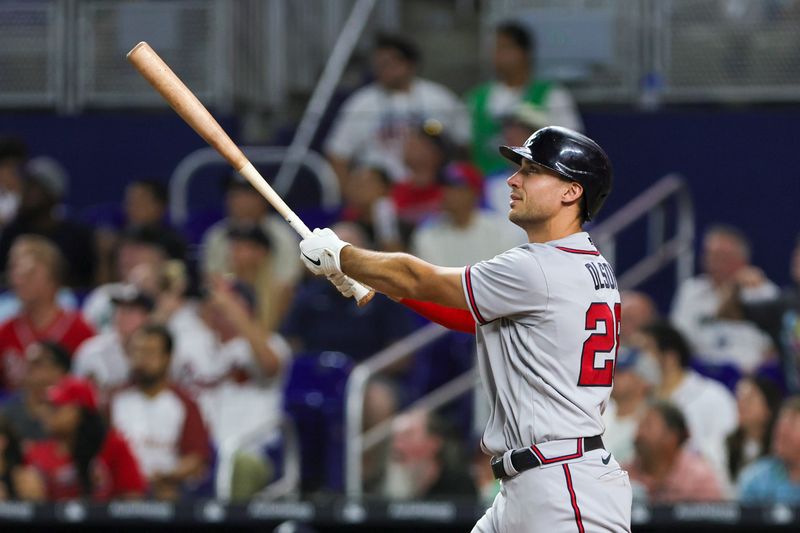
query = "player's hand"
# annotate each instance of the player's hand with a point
(320, 252)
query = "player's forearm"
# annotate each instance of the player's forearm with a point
(397, 274)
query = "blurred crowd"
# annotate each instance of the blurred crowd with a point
(130, 355)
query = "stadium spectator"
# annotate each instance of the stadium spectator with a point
(695, 311)
(48, 363)
(425, 461)
(515, 82)
(463, 233)
(17, 481)
(419, 195)
(103, 358)
(251, 264)
(145, 205)
(194, 360)
(635, 376)
(374, 122)
(254, 361)
(82, 457)
(13, 153)
(43, 189)
(778, 317)
(245, 207)
(663, 468)
(758, 400)
(139, 258)
(776, 478)
(709, 408)
(162, 424)
(35, 268)
(368, 203)
(639, 310)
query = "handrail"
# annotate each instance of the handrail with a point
(287, 484)
(356, 390)
(660, 252)
(340, 55)
(258, 155)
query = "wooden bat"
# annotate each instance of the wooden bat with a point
(186, 104)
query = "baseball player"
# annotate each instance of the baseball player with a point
(547, 318)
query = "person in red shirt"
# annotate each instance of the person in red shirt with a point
(419, 195)
(35, 268)
(83, 458)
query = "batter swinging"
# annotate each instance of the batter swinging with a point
(547, 318)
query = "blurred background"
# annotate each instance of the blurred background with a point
(165, 359)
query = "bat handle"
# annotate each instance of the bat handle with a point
(362, 294)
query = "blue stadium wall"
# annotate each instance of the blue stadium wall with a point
(742, 165)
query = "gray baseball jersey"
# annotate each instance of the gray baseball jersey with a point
(548, 320)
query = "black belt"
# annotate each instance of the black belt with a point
(525, 458)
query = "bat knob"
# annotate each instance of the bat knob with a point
(364, 300)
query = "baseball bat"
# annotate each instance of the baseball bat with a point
(191, 110)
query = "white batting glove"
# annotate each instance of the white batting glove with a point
(343, 284)
(320, 252)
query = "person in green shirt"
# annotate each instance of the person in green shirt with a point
(514, 83)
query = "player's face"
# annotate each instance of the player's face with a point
(537, 194)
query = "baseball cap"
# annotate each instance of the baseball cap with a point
(642, 364)
(73, 391)
(44, 350)
(462, 174)
(252, 233)
(49, 174)
(130, 294)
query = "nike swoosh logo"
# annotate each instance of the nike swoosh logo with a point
(317, 262)
(606, 459)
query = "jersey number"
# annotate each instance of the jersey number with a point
(605, 342)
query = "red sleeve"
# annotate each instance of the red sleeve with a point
(126, 476)
(194, 437)
(455, 319)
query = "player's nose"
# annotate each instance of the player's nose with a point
(513, 180)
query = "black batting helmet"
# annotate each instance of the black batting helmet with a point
(571, 155)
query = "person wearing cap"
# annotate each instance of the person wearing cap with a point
(48, 362)
(373, 123)
(427, 150)
(635, 376)
(140, 256)
(463, 233)
(35, 270)
(245, 208)
(83, 458)
(43, 190)
(515, 82)
(102, 358)
(162, 423)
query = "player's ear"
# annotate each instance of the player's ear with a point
(572, 192)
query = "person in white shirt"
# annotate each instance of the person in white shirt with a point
(695, 311)
(709, 407)
(373, 123)
(103, 358)
(463, 233)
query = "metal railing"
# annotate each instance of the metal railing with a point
(320, 98)
(190, 166)
(287, 485)
(652, 205)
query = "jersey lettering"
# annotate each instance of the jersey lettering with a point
(606, 341)
(602, 275)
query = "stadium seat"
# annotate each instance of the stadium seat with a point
(314, 396)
